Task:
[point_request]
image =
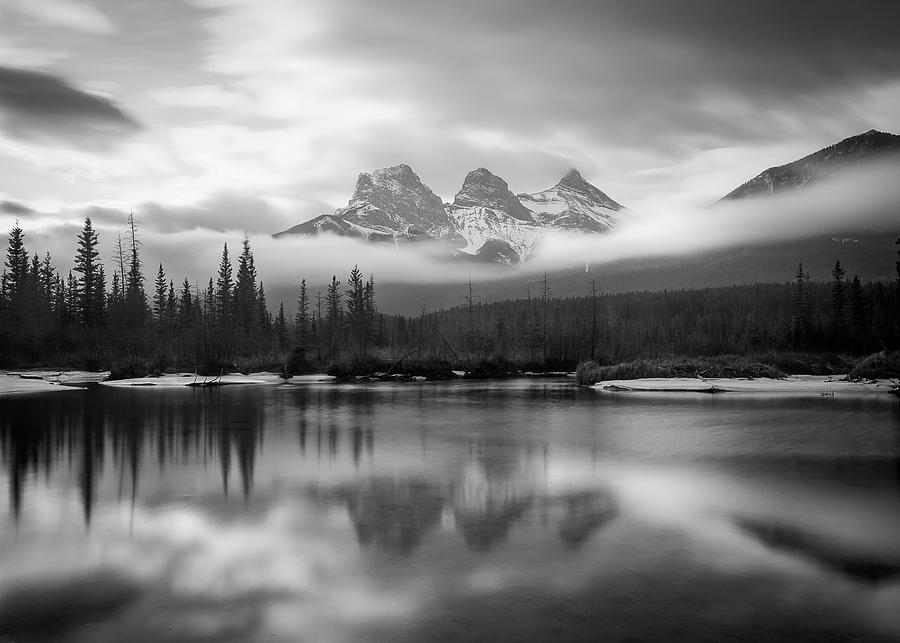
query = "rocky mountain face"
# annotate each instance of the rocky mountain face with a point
(387, 204)
(850, 152)
(574, 204)
(485, 221)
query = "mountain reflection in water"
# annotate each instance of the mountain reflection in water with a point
(483, 511)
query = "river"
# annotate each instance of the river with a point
(523, 510)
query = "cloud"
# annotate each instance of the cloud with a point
(72, 14)
(38, 105)
(11, 48)
(13, 207)
(188, 240)
(531, 88)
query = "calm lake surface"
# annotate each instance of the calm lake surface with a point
(524, 510)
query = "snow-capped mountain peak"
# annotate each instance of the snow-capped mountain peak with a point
(485, 218)
(573, 204)
(482, 188)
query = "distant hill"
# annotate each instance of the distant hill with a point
(827, 162)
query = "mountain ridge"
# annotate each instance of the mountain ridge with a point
(485, 220)
(821, 164)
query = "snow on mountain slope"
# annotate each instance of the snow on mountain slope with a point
(394, 200)
(485, 220)
(485, 210)
(573, 204)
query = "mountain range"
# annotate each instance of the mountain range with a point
(488, 222)
(485, 220)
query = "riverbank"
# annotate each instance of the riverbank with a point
(44, 380)
(793, 385)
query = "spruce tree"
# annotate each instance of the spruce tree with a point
(356, 309)
(89, 294)
(16, 264)
(246, 293)
(838, 325)
(281, 329)
(800, 310)
(135, 296)
(185, 306)
(224, 288)
(859, 314)
(334, 312)
(159, 296)
(301, 318)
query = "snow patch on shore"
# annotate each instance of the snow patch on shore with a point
(192, 379)
(11, 383)
(806, 385)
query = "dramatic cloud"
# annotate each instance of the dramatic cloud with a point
(280, 104)
(73, 14)
(189, 241)
(531, 88)
(37, 105)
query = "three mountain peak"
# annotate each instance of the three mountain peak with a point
(486, 220)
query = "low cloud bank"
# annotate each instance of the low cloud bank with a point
(865, 200)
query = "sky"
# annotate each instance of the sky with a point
(254, 115)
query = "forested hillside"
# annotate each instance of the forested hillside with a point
(100, 316)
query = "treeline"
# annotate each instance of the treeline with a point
(90, 320)
(845, 316)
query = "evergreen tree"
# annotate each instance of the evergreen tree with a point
(859, 314)
(246, 295)
(209, 303)
(334, 312)
(356, 310)
(224, 289)
(281, 328)
(16, 265)
(89, 286)
(262, 309)
(171, 305)
(838, 321)
(185, 306)
(135, 296)
(159, 296)
(800, 310)
(301, 318)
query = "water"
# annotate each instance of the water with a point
(525, 510)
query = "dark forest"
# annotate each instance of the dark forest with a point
(121, 320)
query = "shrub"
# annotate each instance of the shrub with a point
(587, 373)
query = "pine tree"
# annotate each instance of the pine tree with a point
(356, 310)
(171, 305)
(185, 306)
(16, 264)
(209, 303)
(800, 310)
(301, 318)
(838, 325)
(224, 289)
(859, 314)
(334, 312)
(545, 299)
(135, 296)
(159, 297)
(281, 328)
(262, 309)
(246, 295)
(90, 285)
